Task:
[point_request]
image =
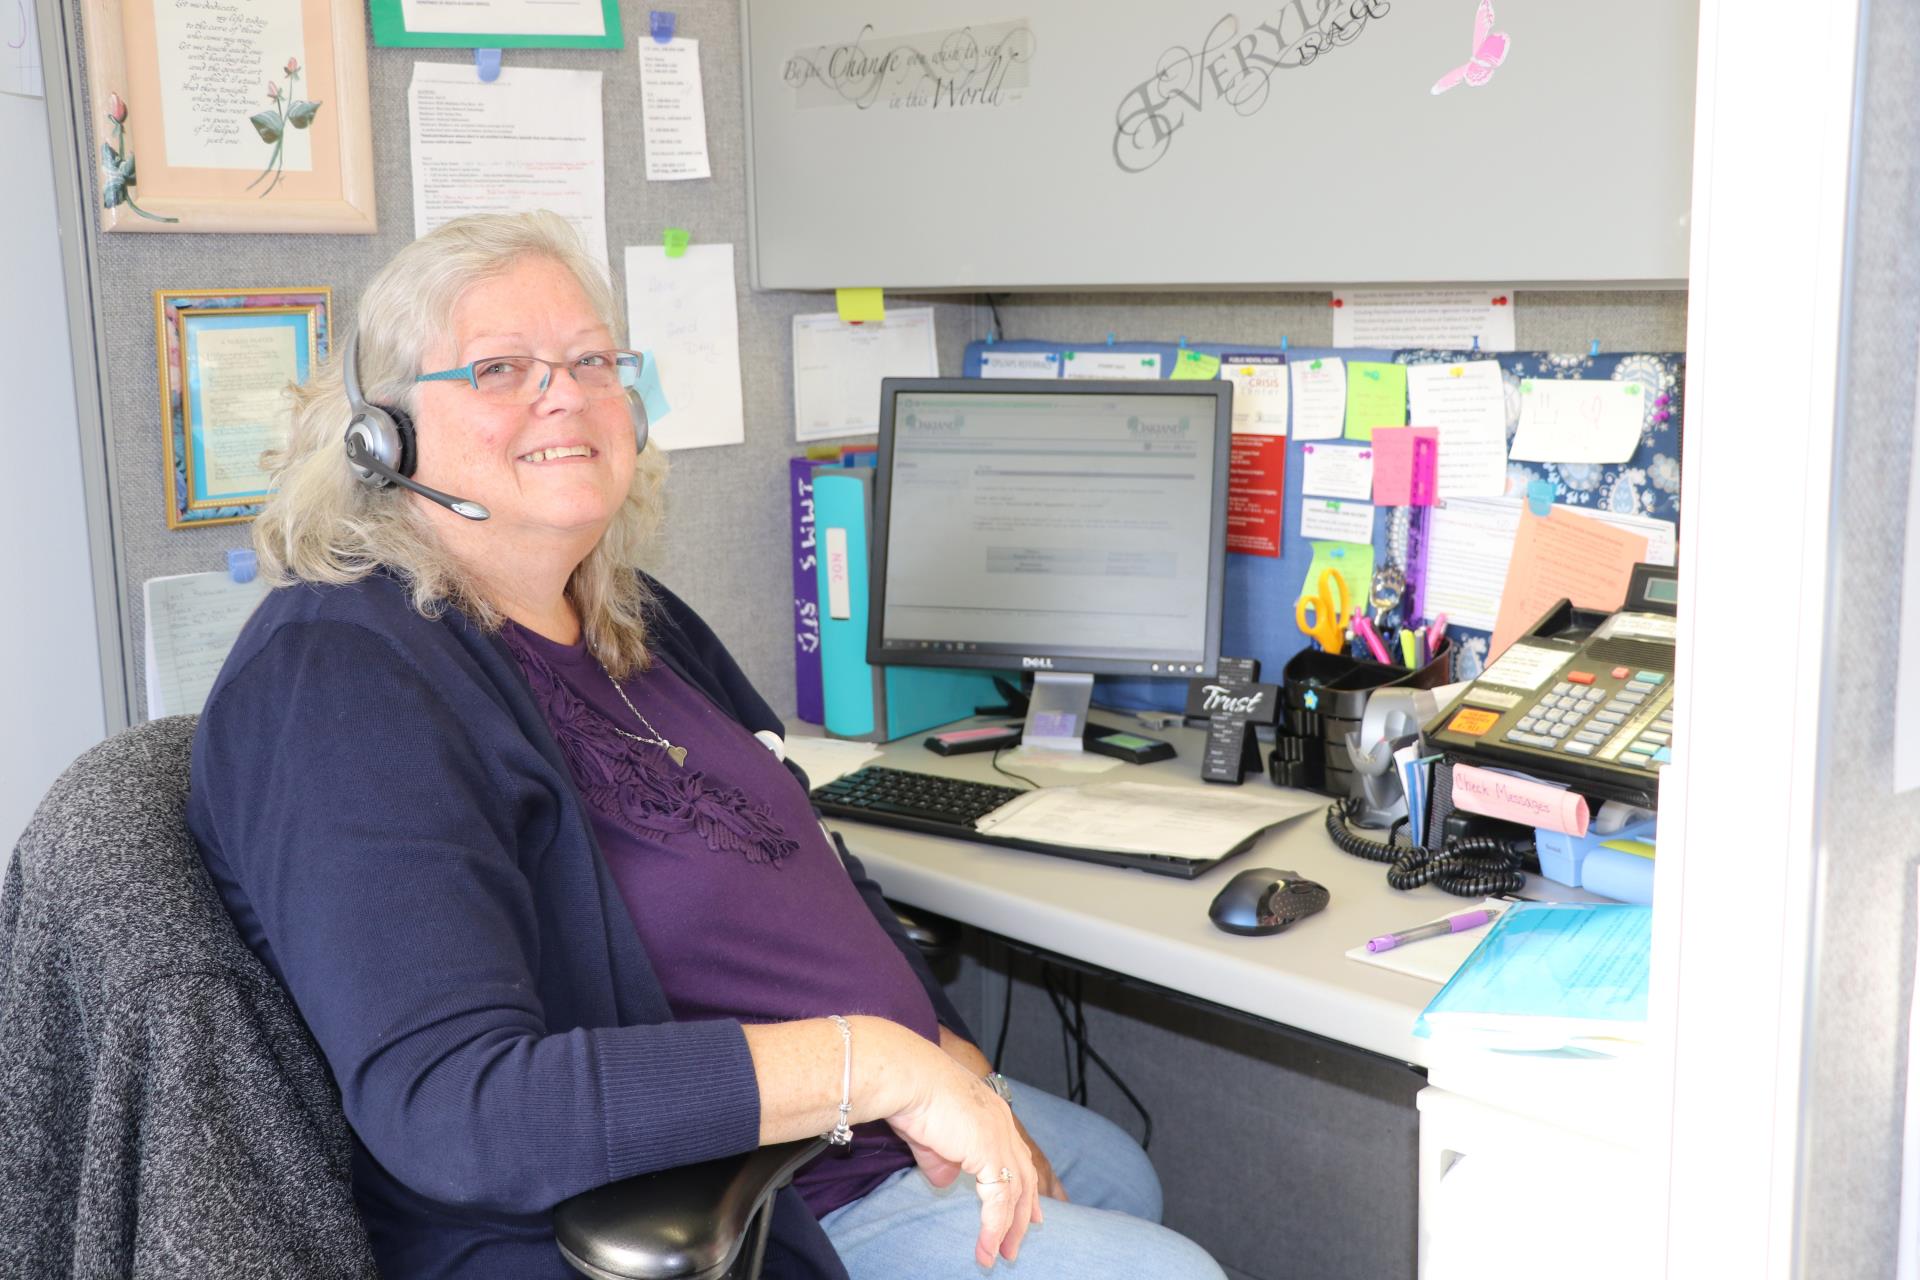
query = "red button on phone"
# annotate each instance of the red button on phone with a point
(1621, 673)
(1580, 677)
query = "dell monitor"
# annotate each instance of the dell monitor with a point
(1065, 528)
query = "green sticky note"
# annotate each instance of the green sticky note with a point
(1353, 561)
(859, 306)
(1376, 397)
(675, 239)
(1192, 364)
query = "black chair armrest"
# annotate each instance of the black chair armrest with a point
(689, 1223)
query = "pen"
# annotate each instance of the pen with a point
(1364, 629)
(1452, 924)
(1436, 632)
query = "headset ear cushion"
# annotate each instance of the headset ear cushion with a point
(403, 430)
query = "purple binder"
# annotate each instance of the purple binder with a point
(808, 703)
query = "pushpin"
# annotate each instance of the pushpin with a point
(675, 239)
(1283, 344)
(1593, 348)
(1109, 339)
(487, 61)
(1539, 497)
(242, 565)
(660, 24)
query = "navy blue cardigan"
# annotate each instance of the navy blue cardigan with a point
(390, 822)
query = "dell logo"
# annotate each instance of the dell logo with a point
(1030, 664)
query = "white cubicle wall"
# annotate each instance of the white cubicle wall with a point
(51, 704)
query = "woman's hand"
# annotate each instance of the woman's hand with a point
(968, 1055)
(955, 1125)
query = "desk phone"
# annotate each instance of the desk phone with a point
(1584, 698)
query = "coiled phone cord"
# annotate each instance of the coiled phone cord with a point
(1468, 866)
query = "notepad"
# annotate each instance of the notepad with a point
(1550, 975)
(1434, 959)
(192, 620)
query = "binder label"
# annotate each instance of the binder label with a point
(839, 594)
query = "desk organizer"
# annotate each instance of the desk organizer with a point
(1310, 748)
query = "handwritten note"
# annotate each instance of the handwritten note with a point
(192, 621)
(1113, 364)
(1561, 555)
(1336, 471)
(684, 311)
(1467, 404)
(672, 110)
(20, 70)
(218, 62)
(1399, 478)
(1319, 397)
(1376, 397)
(1579, 420)
(1259, 392)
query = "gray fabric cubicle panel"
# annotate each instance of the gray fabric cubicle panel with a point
(1860, 984)
(725, 544)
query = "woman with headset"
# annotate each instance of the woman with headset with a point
(514, 830)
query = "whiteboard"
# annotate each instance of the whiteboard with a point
(958, 144)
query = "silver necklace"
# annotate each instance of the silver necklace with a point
(676, 754)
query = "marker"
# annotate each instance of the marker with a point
(1408, 649)
(1436, 632)
(1452, 924)
(1364, 629)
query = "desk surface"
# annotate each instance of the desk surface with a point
(1155, 928)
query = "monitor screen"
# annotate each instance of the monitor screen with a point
(1071, 526)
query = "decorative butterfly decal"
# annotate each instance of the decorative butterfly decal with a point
(1489, 51)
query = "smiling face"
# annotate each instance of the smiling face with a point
(555, 470)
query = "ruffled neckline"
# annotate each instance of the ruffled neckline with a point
(634, 784)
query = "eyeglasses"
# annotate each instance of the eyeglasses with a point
(600, 375)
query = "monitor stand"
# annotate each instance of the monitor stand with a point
(1057, 710)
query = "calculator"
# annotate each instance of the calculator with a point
(1584, 698)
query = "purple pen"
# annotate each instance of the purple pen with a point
(1452, 924)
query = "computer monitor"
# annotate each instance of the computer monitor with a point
(1069, 529)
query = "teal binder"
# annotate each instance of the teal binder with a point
(872, 704)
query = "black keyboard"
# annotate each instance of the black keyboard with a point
(949, 807)
(916, 801)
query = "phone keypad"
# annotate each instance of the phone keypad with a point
(1605, 716)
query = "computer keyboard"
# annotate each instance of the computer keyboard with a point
(915, 801)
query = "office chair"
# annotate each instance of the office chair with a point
(167, 1112)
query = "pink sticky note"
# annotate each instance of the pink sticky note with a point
(1405, 463)
(1531, 804)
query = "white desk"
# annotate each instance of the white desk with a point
(1155, 928)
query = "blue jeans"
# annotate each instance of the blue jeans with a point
(1110, 1230)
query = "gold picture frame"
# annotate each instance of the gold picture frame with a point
(253, 118)
(225, 358)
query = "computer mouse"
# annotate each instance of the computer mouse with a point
(1261, 900)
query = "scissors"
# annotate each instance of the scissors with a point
(1329, 626)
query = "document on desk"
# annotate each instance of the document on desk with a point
(1140, 817)
(192, 620)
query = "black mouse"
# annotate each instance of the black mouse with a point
(1260, 901)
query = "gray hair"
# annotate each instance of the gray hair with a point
(321, 524)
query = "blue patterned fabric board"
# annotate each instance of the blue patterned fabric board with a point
(1257, 621)
(1647, 484)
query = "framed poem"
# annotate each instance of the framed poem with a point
(226, 360)
(242, 117)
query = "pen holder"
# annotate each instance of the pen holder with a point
(1323, 697)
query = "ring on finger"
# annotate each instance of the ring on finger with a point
(1006, 1175)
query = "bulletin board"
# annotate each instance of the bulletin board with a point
(1258, 621)
(961, 144)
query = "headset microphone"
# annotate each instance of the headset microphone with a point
(364, 461)
(380, 444)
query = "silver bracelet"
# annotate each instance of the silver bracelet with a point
(842, 1135)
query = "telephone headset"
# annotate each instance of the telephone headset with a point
(381, 443)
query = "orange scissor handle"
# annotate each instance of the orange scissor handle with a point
(1328, 625)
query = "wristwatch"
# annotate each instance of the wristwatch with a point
(998, 1083)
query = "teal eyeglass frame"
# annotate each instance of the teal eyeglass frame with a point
(629, 370)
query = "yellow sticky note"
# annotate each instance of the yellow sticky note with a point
(857, 306)
(1638, 848)
(1192, 364)
(1353, 561)
(1376, 397)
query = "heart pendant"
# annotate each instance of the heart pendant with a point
(678, 755)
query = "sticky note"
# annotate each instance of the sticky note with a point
(675, 239)
(1405, 466)
(1474, 721)
(1519, 800)
(1353, 561)
(652, 398)
(858, 306)
(1376, 397)
(1193, 364)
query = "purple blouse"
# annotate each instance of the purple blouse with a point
(738, 897)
